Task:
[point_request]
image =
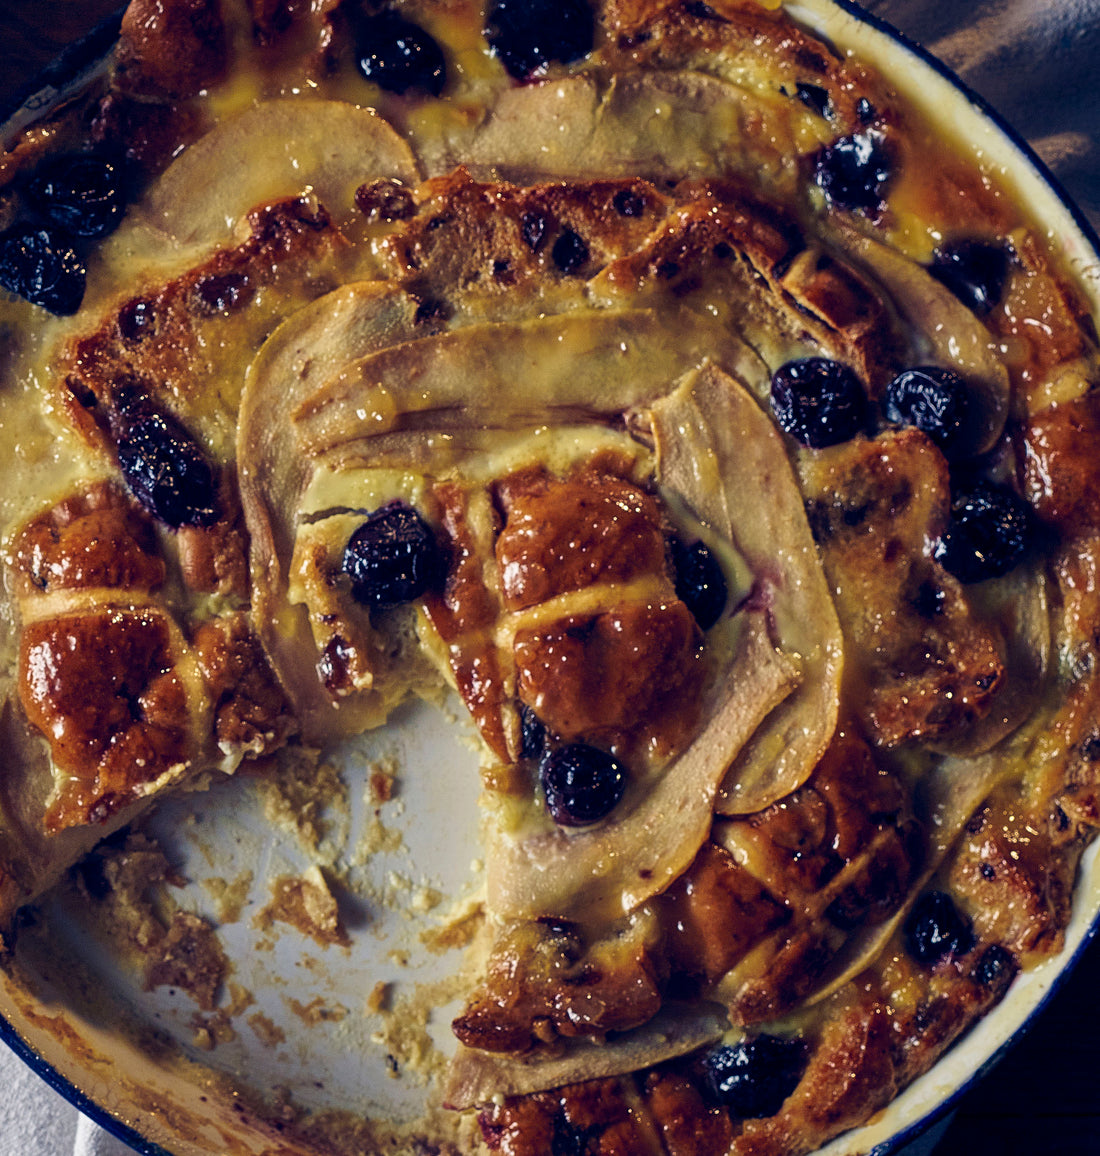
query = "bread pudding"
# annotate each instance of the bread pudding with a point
(718, 426)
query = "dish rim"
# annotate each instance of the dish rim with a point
(77, 64)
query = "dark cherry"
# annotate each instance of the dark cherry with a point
(975, 271)
(571, 1139)
(628, 203)
(936, 929)
(988, 534)
(528, 34)
(82, 193)
(753, 1077)
(392, 558)
(853, 171)
(223, 292)
(818, 402)
(137, 320)
(928, 600)
(385, 200)
(532, 732)
(995, 967)
(42, 266)
(933, 399)
(582, 784)
(167, 471)
(700, 583)
(815, 98)
(533, 227)
(569, 251)
(398, 55)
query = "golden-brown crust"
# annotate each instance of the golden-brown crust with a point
(170, 50)
(670, 33)
(1012, 887)
(840, 854)
(544, 984)
(1061, 445)
(623, 669)
(722, 235)
(688, 1125)
(562, 535)
(104, 688)
(502, 245)
(166, 347)
(250, 710)
(866, 1051)
(930, 665)
(497, 249)
(851, 1073)
(852, 812)
(603, 1113)
(94, 538)
(1067, 331)
(465, 612)
(631, 669)
(714, 914)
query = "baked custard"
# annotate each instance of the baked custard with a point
(717, 426)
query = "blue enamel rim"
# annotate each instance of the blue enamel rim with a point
(79, 58)
(985, 108)
(73, 1094)
(73, 62)
(915, 1130)
(86, 52)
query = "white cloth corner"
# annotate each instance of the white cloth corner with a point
(37, 1121)
(34, 1119)
(91, 1140)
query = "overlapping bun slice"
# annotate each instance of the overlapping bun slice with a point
(653, 746)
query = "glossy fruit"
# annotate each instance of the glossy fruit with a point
(995, 967)
(569, 252)
(533, 227)
(628, 203)
(82, 192)
(933, 399)
(392, 558)
(753, 1077)
(398, 55)
(573, 1140)
(853, 172)
(582, 784)
(532, 732)
(818, 402)
(700, 583)
(990, 531)
(975, 271)
(42, 266)
(167, 471)
(936, 929)
(529, 34)
(815, 98)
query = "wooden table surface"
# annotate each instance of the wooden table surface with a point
(1044, 1098)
